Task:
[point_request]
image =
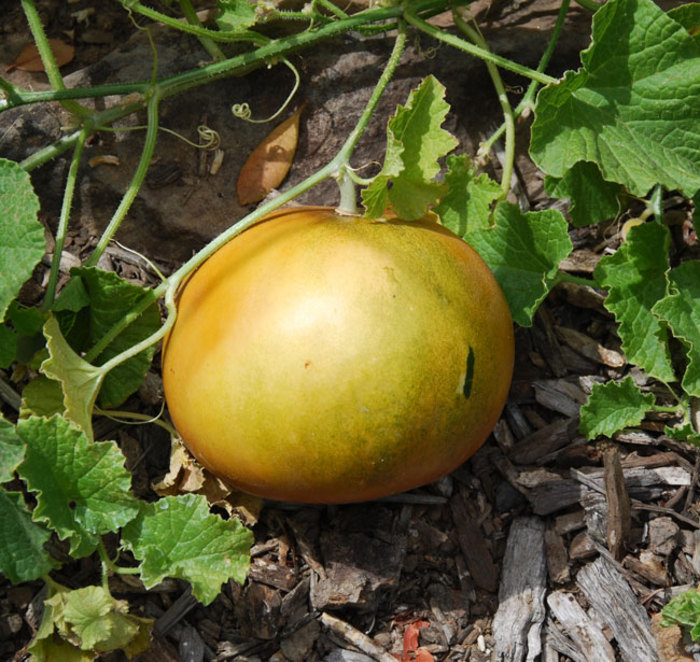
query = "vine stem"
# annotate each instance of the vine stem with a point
(240, 64)
(509, 119)
(529, 96)
(122, 416)
(47, 58)
(209, 45)
(168, 288)
(565, 277)
(62, 228)
(484, 54)
(136, 182)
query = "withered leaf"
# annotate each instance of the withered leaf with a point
(30, 60)
(269, 163)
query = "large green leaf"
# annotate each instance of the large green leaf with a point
(111, 300)
(11, 450)
(22, 242)
(633, 108)
(82, 488)
(636, 275)
(524, 252)
(179, 537)
(415, 143)
(592, 198)
(22, 554)
(681, 310)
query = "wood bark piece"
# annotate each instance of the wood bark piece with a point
(518, 620)
(472, 544)
(558, 641)
(557, 558)
(584, 633)
(590, 348)
(617, 606)
(560, 395)
(361, 563)
(554, 495)
(619, 521)
(544, 441)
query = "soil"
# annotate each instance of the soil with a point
(542, 546)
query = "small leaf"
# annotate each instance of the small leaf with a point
(684, 610)
(524, 252)
(11, 450)
(22, 554)
(592, 198)
(22, 242)
(99, 621)
(178, 537)
(467, 203)
(685, 432)
(415, 143)
(80, 380)
(636, 277)
(269, 163)
(613, 406)
(30, 60)
(235, 15)
(680, 310)
(83, 489)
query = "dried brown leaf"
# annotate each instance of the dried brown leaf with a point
(187, 475)
(30, 60)
(269, 163)
(184, 474)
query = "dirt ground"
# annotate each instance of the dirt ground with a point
(542, 546)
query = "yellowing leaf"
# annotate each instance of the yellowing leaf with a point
(269, 163)
(30, 60)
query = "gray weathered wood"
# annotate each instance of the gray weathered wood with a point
(617, 606)
(518, 620)
(584, 633)
(556, 639)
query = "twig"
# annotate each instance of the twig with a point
(353, 636)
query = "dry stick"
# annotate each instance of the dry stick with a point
(619, 518)
(356, 638)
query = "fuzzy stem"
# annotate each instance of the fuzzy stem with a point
(529, 96)
(565, 277)
(136, 182)
(207, 42)
(486, 55)
(509, 119)
(47, 58)
(68, 193)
